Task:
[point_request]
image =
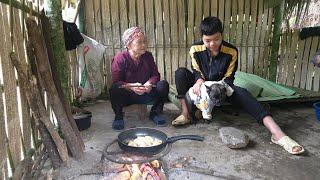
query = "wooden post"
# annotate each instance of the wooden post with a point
(82, 23)
(59, 50)
(278, 16)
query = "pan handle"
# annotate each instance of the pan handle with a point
(191, 137)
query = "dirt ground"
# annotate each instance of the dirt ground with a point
(211, 159)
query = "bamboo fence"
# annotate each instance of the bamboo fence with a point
(171, 27)
(295, 67)
(16, 127)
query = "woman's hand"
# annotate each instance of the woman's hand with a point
(196, 87)
(148, 87)
(136, 88)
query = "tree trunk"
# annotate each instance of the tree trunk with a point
(75, 143)
(59, 51)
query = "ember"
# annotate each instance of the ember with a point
(120, 165)
(144, 171)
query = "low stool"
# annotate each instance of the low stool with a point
(140, 110)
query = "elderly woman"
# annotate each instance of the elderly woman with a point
(136, 79)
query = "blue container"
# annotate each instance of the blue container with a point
(317, 108)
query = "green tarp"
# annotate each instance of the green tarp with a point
(263, 89)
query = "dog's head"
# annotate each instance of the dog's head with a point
(217, 93)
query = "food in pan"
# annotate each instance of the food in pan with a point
(144, 141)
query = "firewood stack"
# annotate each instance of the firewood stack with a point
(42, 76)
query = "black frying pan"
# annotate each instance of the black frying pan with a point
(130, 134)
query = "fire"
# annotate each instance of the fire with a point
(144, 171)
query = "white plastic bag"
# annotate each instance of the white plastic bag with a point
(90, 54)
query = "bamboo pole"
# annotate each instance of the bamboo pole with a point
(82, 23)
(278, 16)
(3, 152)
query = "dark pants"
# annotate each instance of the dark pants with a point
(240, 98)
(121, 97)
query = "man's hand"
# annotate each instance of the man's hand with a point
(196, 87)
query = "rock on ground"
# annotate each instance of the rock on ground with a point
(233, 138)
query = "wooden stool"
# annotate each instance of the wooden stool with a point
(139, 109)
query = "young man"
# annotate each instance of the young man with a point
(213, 60)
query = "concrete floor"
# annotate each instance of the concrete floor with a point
(260, 160)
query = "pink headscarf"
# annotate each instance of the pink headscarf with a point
(130, 34)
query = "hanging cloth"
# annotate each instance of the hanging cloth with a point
(309, 32)
(72, 35)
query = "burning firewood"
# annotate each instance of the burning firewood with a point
(146, 176)
(155, 164)
(146, 167)
(135, 172)
(145, 171)
(122, 175)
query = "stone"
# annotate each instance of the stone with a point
(233, 138)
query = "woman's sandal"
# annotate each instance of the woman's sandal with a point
(288, 144)
(180, 120)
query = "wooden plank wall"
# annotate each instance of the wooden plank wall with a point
(295, 63)
(172, 27)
